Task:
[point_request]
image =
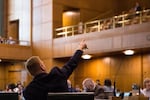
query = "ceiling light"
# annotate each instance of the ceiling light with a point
(86, 56)
(69, 13)
(128, 52)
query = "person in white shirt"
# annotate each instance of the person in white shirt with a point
(146, 89)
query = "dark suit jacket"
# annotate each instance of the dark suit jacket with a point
(55, 81)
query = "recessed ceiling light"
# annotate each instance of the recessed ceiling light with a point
(69, 13)
(128, 52)
(86, 56)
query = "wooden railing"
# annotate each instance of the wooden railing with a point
(104, 24)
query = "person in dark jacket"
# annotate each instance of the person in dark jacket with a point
(137, 7)
(54, 81)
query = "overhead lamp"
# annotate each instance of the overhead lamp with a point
(128, 52)
(70, 13)
(86, 56)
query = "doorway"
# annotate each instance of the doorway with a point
(14, 29)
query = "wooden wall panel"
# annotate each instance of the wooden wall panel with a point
(15, 52)
(14, 27)
(2, 77)
(70, 18)
(126, 70)
(146, 65)
(95, 68)
(121, 69)
(114, 40)
(11, 73)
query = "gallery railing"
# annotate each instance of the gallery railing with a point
(14, 42)
(104, 24)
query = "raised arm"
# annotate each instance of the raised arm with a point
(74, 60)
(82, 45)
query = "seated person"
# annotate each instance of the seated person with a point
(146, 90)
(108, 86)
(90, 86)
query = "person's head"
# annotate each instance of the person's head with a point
(19, 82)
(11, 87)
(10, 38)
(146, 83)
(35, 65)
(98, 82)
(77, 87)
(137, 4)
(107, 82)
(88, 84)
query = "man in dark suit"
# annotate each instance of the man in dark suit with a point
(54, 81)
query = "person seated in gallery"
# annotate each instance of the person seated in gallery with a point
(137, 7)
(10, 40)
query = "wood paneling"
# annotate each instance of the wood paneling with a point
(97, 9)
(126, 70)
(2, 77)
(44, 15)
(146, 66)
(11, 73)
(15, 52)
(71, 18)
(121, 69)
(14, 27)
(113, 40)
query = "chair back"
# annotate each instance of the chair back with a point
(9, 96)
